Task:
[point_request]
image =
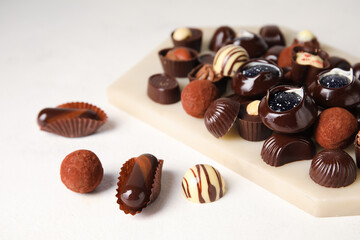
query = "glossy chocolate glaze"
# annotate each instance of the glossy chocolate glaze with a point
(49, 115)
(305, 74)
(256, 86)
(356, 69)
(273, 53)
(222, 35)
(338, 62)
(272, 35)
(280, 149)
(314, 44)
(333, 168)
(295, 120)
(193, 42)
(346, 97)
(254, 44)
(357, 149)
(135, 193)
(163, 89)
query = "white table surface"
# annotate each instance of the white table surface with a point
(52, 52)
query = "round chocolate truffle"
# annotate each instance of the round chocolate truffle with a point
(229, 59)
(203, 184)
(333, 168)
(336, 128)
(81, 171)
(197, 97)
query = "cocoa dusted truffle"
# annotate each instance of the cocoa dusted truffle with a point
(81, 171)
(197, 97)
(335, 128)
(222, 35)
(272, 35)
(254, 44)
(333, 169)
(203, 184)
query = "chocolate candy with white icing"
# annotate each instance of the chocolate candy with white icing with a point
(181, 34)
(187, 37)
(203, 184)
(229, 59)
(307, 39)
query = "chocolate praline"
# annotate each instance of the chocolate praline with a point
(338, 62)
(193, 42)
(206, 58)
(357, 149)
(163, 89)
(255, 77)
(272, 35)
(254, 44)
(221, 35)
(297, 119)
(356, 69)
(335, 88)
(273, 53)
(307, 39)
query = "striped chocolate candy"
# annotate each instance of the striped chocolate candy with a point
(203, 184)
(229, 59)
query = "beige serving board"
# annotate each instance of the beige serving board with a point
(290, 182)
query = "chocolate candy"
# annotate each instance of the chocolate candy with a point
(333, 169)
(139, 183)
(249, 124)
(255, 77)
(220, 37)
(307, 39)
(273, 53)
(284, 101)
(356, 69)
(229, 59)
(272, 35)
(203, 184)
(220, 116)
(181, 34)
(254, 44)
(335, 88)
(280, 149)
(187, 37)
(81, 171)
(357, 149)
(207, 58)
(305, 58)
(50, 115)
(163, 89)
(179, 54)
(338, 62)
(295, 118)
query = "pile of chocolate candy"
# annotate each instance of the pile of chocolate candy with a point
(290, 96)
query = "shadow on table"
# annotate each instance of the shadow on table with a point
(109, 181)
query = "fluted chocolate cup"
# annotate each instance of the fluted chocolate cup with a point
(193, 42)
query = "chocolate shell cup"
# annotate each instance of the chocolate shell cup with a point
(333, 169)
(177, 68)
(305, 74)
(280, 149)
(74, 126)
(217, 79)
(297, 119)
(220, 116)
(273, 53)
(149, 195)
(193, 42)
(347, 96)
(338, 62)
(221, 35)
(254, 44)
(256, 83)
(163, 89)
(272, 35)
(250, 127)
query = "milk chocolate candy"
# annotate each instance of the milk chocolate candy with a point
(280, 149)
(139, 183)
(272, 35)
(163, 89)
(192, 40)
(254, 44)
(222, 35)
(49, 115)
(333, 169)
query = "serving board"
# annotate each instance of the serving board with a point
(290, 182)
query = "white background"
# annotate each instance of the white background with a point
(52, 52)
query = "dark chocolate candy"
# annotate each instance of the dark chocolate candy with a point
(139, 183)
(280, 149)
(220, 116)
(254, 44)
(333, 168)
(273, 53)
(163, 89)
(356, 69)
(338, 62)
(272, 35)
(284, 101)
(49, 115)
(307, 39)
(297, 119)
(193, 42)
(357, 149)
(222, 35)
(255, 77)
(329, 93)
(207, 58)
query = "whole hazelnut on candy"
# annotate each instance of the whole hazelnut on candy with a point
(181, 34)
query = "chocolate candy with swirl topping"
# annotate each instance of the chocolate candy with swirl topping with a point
(333, 169)
(272, 35)
(254, 44)
(203, 184)
(139, 183)
(287, 109)
(335, 88)
(229, 59)
(221, 115)
(255, 77)
(163, 89)
(280, 149)
(221, 35)
(187, 37)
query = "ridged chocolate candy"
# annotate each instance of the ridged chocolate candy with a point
(221, 115)
(333, 168)
(280, 149)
